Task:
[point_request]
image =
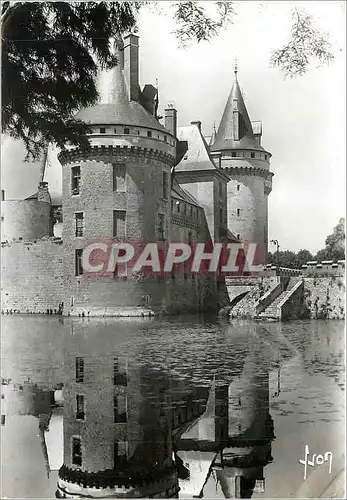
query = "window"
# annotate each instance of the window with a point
(265, 157)
(126, 131)
(191, 210)
(233, 154)
(178, 206)
(238, 212)
(76, 451)
(120, 408)
(119, 372)
(120, 450)
(78, 262)
(119, 171)
(165, 138)
(165, 185)
(161, 227)
(184, 206)
(115, 130)
(79, 216)
(121, 270)
(172, 205)
(149, 133)
(119, 217)
(79, 369)
(75, 180)
(238, 236)
(102, 130)
(252, 155)
(80, 410)
(238, 187)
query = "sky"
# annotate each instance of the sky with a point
(304, 118)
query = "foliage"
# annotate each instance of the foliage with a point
(334, 250)
(50, 57)
(195, 24)
(51, 52)
(334, 244)
(305, 44)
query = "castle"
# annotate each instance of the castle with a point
(140, 181)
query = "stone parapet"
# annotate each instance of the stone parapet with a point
(119, 153)
(324, 268)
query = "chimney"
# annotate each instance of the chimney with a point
(131, 66)
(171, 120)
(257, 128)
(2, 195)
(197, 123)
(43, 194)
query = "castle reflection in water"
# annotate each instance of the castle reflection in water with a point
(132, 428)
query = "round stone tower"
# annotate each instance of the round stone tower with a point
(117, 441)
(237, 149)
(118, 189)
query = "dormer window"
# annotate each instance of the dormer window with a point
(149, 133)
(252, 155)
(165, 138)
(126, 131)
(102, 130)
(265, 157)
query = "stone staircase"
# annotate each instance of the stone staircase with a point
(272, 311)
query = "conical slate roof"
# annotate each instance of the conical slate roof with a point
(118, 110)
(235, 129)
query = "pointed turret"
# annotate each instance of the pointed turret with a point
(237, 150)
(235, 130)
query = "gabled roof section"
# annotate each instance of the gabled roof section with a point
(197, 156)
(235, 129)
(178, 192)
(34, 196)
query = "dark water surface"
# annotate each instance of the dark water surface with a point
(230, 406)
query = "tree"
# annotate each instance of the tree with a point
(302, 257)
(50, 57)
(51, 52)
(291, 259)
(334, 244)
(306, 44)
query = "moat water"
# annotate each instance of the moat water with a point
(278, 385)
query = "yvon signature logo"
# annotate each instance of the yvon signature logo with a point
(316, 460)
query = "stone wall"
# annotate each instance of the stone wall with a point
(294, 307)
(246, 308)
(324, 268)
(325, 297)
(28, 220)
(32, 276)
